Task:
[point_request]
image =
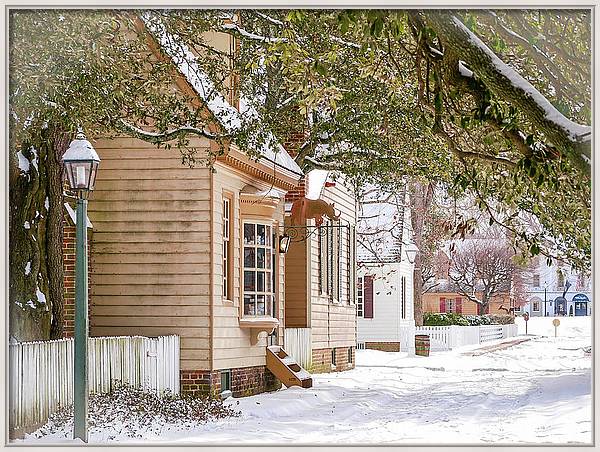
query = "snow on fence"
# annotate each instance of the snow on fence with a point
(449, 337)
(41, 373)
(297, 344)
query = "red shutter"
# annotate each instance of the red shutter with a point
(368, 297)
(442, 304)
(459, 305)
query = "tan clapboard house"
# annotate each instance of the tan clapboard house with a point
(195, 252)
(320, 281)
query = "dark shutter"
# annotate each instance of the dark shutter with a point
(339, 251)
(404, 297)
(368, 297)
(330, 258)
(442, 304)
(459, 305)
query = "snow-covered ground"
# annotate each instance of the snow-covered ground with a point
(536, 392)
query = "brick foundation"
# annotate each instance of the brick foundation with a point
(245, 381)
(383, 346)
(321, 360)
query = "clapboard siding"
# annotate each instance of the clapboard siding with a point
(150, 258)
(163, 279)
(171, 237)
(151, 205)
(231, 344)
(163, 300)
(188, 311)
(146, 269)
(334, 324)
(296, 300)
(142, 290)
(145, 195)
(152, 185)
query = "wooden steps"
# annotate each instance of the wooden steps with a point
(286, 369)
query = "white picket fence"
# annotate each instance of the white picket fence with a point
(450, 337)
(297, 344)
(41, 373)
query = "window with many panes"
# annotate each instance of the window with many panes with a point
(259, 293)
(360, 298)
(536, 280)
(536, 306)
(226, 248)
(450, 305)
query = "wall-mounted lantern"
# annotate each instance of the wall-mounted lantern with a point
(411, 252)
(284, 243)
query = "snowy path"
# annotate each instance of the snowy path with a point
(538, 391)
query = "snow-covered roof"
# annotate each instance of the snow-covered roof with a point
(226, 114)
(380, 226)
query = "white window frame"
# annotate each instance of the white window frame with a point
(533, 303)
(226, 246)
(451, 305)
(360, 297)
(268, 269)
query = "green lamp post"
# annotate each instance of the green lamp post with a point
(81, 165)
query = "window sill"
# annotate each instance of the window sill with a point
(257, 325)
(227, 302)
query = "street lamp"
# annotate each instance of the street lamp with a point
(81, 165)
(411, 252)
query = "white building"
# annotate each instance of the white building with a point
(385, 273)
(557, 290)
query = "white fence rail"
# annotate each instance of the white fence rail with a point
(297, 344)
(41, 373)
(449, 337)
(490, 333)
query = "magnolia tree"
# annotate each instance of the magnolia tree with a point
(492, 103)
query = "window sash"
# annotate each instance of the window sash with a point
(226, 244)
(257, 284)
(360, 284)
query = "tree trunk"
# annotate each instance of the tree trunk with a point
(420, 200)
(35, 237)
(54, 231)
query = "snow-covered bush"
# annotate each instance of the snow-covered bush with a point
(443, 319)
(450, 318)
(135, 413)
